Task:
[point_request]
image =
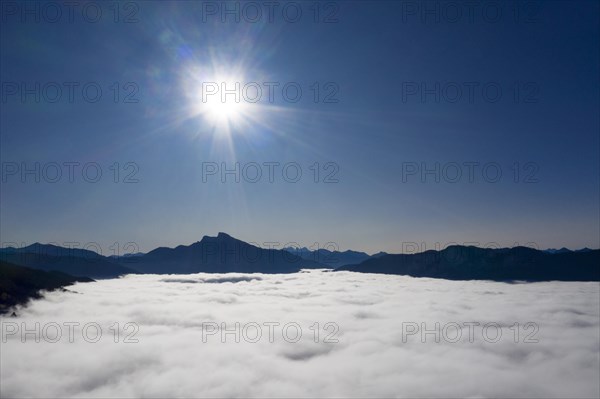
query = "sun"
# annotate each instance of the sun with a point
(216, 95)
(223, 107)
(226, 99)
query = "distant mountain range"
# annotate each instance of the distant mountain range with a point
(332, 259)
(564, 250)
(126, 256)
(473, 263)
(225, 254)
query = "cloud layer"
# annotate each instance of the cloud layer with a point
(377, 321)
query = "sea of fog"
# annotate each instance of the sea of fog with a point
(309, 334)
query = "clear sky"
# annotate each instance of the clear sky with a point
(403, 87)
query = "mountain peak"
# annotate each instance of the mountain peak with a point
(220, 236)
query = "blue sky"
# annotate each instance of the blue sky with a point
(385, 62)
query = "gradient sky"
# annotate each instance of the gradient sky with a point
(372, 53)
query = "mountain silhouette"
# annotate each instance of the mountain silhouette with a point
(52, 250)
(75, 262)
(329, 258)
(379, 254)
(564, 250)
(557, 251)
(19, 284)
(221, 254)
(225, 254)
(473, 263)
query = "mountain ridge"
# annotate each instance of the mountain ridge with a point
(224, 254)
(474, 263)
(19, 284)
(221, 254)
